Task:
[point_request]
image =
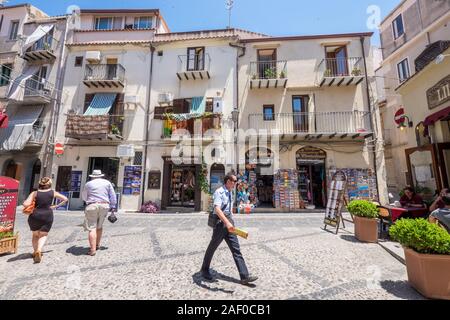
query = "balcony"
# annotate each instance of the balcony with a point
(37, 91)
(194, 67)
(315, 125)
(104, 76)
(203, 129)
(42, 51)
(37, 136)
(101, 127)
(341, 71)
(268, 74)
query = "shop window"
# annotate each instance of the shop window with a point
(422, 136)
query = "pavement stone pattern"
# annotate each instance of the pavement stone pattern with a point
(159, 256)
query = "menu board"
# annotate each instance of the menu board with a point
(154, 180)
(8, 203)
(132, 180)
(75, 184)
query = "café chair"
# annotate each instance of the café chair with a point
(385, 217)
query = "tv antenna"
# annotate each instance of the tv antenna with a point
(229, 6)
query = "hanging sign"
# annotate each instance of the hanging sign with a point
(399, 116)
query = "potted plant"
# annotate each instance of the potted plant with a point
(356, 71)
(427, 256)
(254, 77)
(270, 73)
(327, 73)
(282, 75)
(115, 130)
(8, 242)
(365, 217)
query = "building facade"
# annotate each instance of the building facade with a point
(412, 36)
(32, 58)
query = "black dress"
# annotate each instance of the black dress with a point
(42, 217)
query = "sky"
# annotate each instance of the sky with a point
(276, 18)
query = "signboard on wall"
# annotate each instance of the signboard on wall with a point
(311, 153)
(154, 179)
(132, 180)
(8, 203)
(439, 94)
(75, 183)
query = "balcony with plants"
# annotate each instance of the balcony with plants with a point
(268, 74)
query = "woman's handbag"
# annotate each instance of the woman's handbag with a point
(28, 210)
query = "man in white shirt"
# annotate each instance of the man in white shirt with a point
(100, 197)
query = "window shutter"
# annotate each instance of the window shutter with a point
(87, 100)
(178, 106)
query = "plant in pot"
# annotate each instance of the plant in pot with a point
(365, 217)
(327, 73)
(282, 75)
(427, 256)
(356, 71)
(270, 73)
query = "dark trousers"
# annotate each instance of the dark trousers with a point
(221, 233)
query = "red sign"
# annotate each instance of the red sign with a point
(8, 203)
(59, 149)
(400, 116)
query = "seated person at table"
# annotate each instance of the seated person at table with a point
(438, 203)
(442, 215)
(411, 200)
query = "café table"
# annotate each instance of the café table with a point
(409, 212)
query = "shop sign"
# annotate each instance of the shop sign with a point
(439, 94)
(311, 153)
(8, 203)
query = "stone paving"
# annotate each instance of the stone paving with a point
(159, 256)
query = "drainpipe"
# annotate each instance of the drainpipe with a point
(236, 106)
(147, 115)
(54, 116)
(373, 122)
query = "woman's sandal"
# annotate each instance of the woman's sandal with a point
(37, 257)
(91, 253)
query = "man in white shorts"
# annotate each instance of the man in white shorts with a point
(100, 197)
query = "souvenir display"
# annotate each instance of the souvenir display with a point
(286, 191)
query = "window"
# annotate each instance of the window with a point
(142, 22)
(397, 26)
(5, 74)
(269, 113)
(403, 70)
(196, 59)
(137, 158)
(14, 30)
(267, 65)
(78, 61)
(108, 23)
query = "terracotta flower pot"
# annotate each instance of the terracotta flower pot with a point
(429, 273)
(366, 230)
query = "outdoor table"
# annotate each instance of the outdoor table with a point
(398, 213)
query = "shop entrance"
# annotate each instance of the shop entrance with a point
(35, 174)
(312, 176)
(258, 177)
(108, 166)
(182, 186)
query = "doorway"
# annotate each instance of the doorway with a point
(108, 166)
(312, 176)
(337, 61)
(264, 185)
(182, 186)
(112, 68)
(35, 174)
(12, 170)
(300, 113)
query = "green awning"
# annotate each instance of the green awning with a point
(101, 104)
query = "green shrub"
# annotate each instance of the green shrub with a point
(421, 236)
(4, 235)
(363, 208)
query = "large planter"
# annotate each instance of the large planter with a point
(9, 245)
(366, 230)
(429, 273)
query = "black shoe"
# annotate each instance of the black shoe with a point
(207, 275)
(249, 279)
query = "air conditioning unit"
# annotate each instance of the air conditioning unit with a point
(93, 56)
(165, 98)
(217, 105)
(125, 151)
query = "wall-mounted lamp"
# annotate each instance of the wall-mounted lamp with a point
(407, 123)
(440, 58)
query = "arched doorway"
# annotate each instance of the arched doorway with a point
(312, 175)
(12, 169)
(35, 175)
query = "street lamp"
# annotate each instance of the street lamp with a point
(440, 58)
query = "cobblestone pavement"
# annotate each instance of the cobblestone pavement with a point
(159, 256)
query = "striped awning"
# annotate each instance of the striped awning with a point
(20, 128)
(101, 104)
